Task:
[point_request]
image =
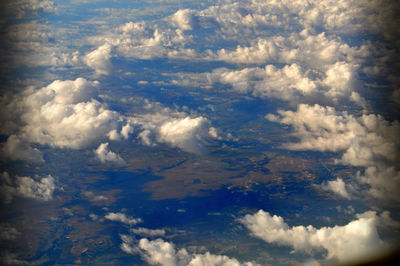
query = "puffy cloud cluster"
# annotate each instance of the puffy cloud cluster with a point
(33, 45)
(304, 48)
(122, 217)
(65, 114)
(138, 40)
(26, 187)
(177, 129)
(160, 252)
(293, 83)
(355, 240)
(364, 141)
(252, 17)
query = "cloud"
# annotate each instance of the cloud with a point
(337, 186)
(142, 41)
(159, 124)
(122, 217)
(355, 240)
(17, 149)
(159, 252)
(26, 187)
(105, 155)
(186, 133)
(292, 83)
(148, 232)
(33, 45)
(93, 197)
(63, 114)
(365, 141)
(184, 19)
(100, 59)
(7, 232)
(312, 50)
(383, 184)
(29, 8)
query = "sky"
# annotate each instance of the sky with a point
(100, 83)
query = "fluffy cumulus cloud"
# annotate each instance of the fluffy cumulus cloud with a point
(122, 217)
(324, 129)
(337, 186)
(33, 45)
(105, 155)
(19, 149)
(64, 114)
(186, 133)
(355, 240)
(365, 141)
(307, 49)
(184, 19)
(292, 83)
(100, 59)
(160, 252)
(26, 187)
(139, 40)
(177, 129)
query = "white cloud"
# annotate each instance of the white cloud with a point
(337, 186)
(148, 232)
(355, 240)
(122, 217)
(159, 252)
(184, 19)
(126, 131)
(33, 45)
(27, 8)
(365, 141)
(100, 59)
(159, 124)
(294, 83)
(140, 40)
(186, 133)
(17, 149)
(63, 114)
(314, 51)
(384, 184)
(26, 187)
(105, 155)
